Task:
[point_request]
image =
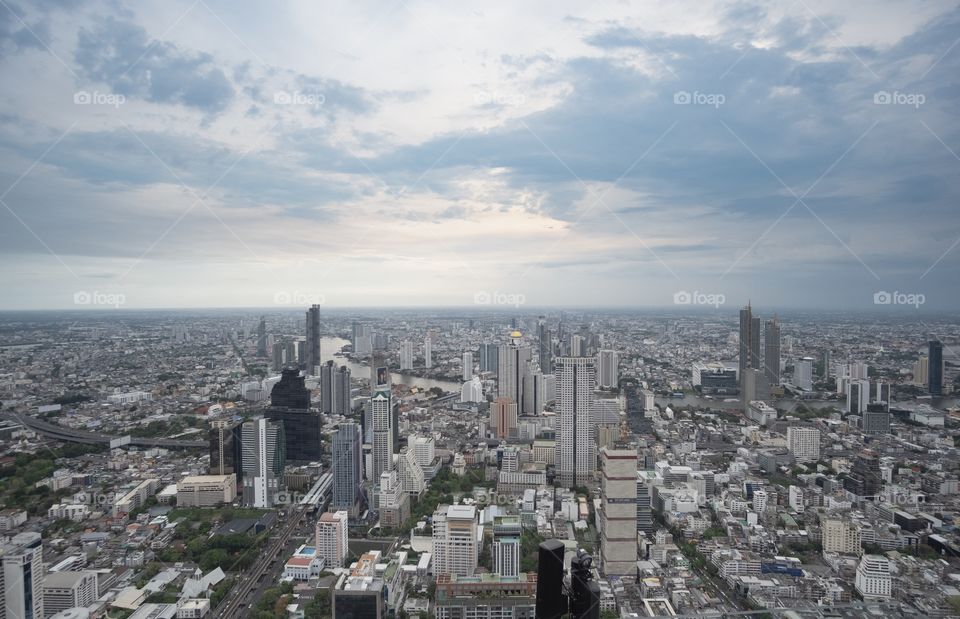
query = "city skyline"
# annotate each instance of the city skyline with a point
(195, 155)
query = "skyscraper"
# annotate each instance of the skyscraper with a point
(749, 347)
(21, 577)
(455, 540)
(609, 362)
(331, 538)
(290, 405)
(467, 365)
(545, 346)
(512, 366)
(538, 389)
(347, 468)
(771, 351)
(262, 338)
(312, 345)
(575, 441)
(428, 352)
(381, 410)
(489, 357)
(935, 368)
(226, 449)
(618, 511)
(406, 355)
(342, 400)
(328, 373)
(506, 545)
(264, 456)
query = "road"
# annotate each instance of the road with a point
(255, 579)
(72, 435)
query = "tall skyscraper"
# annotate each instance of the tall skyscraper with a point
(467, 365)
(347, 468)
(312, 345)
(644, 503)
(538, 389)
(264, 456)
(489, 357)
(328, 373)
(277, 353)
(545, 346)
(575, 441)
(262, 338)
(609, 375)
(749, 347)
(290, 405)
(618, 511)
(771, 351)
(506, 545)
(428, 352)
(226, 449)
(803, 373)
(342, 400)
(21, 577)
(406, 355)
(935, 368)
(381, 410)
(513, 365)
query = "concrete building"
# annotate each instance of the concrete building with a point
(841, 536)
(206, 490)
(455, 544)
(576, 459)
(264, 456)
(21, 577)
(618, 511)
(608, 375)
(331, 538)
(64, 590)
(347, 468)
(381, 409)
(503, 418)
(487, 596)
(874, 581)
(804, 443)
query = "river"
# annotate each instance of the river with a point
(331, 345)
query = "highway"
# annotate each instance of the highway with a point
(253, 580)
(71, 435)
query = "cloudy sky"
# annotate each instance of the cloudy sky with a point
(223, 153)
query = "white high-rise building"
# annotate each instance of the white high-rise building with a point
(760, 499)
(467, 365)
(858, 395)
(424, 447)
(609, 374)
(575, 439)
(803, 373)
(263, 461)
(618, 511)
(455, 549)
(381, 410)
(406, 355)
(428, 352)
(68, 589)
(804, 443)
(874, 581)
(331, 538)
(21, 577)
(506, 555)
(472, 391)
(411, 475)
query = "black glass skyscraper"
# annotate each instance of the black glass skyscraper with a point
(290, 403)
(935, 368)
